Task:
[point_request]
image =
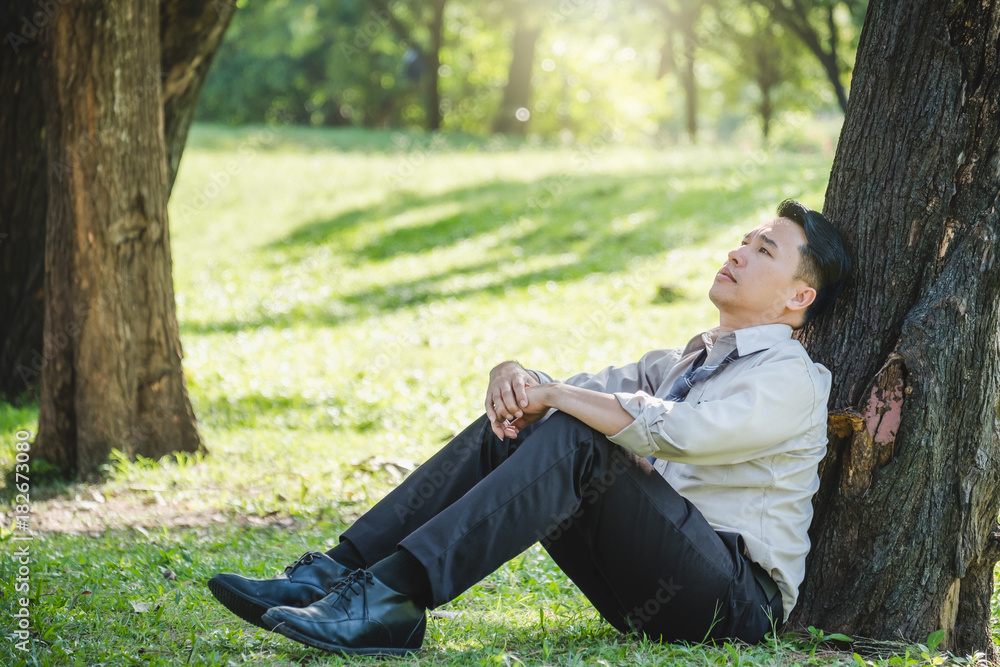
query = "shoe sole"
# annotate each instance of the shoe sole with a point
(243, 607)
(283, 629)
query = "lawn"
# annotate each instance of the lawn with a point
(342, 295)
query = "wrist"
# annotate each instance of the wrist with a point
(550, 394)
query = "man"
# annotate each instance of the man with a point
(706, 542)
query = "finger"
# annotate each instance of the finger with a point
(494, 404)
(498, 408)
(521, 395)
(498, 430)
(509, 403)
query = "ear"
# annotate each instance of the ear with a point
(802, 299)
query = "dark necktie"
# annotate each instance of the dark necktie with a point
(697, 373)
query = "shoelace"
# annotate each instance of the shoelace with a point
(305, 559)
(347, 585)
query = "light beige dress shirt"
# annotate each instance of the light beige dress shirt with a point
(743, 446)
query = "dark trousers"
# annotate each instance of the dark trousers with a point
(642, 554)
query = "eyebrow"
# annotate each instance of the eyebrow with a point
(767, 240)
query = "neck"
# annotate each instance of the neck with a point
(729, 322)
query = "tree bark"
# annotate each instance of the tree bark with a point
(517, 92)
(191, 34)
(23, 196)
(113, 376)
(905, 533)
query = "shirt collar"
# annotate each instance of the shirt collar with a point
(754, 339)
(746, 341)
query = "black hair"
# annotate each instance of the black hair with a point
(825, 261)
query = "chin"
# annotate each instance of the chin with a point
(717, 295)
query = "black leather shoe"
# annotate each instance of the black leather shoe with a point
(305, 581)
(363, 616)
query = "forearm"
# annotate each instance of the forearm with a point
(597, 410)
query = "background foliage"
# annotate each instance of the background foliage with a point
(597, 66)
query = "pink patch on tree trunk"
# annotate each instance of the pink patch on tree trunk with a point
(884, 412)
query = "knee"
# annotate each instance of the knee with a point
(562, 421)
(567, 429)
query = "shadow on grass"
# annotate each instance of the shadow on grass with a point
(292, 412)
(584, 223)
(574, 207)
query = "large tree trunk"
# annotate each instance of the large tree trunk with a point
(114, 379)
(191, 34)
(517, 92)
(23, 196)
(905, 533)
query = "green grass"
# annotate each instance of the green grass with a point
(342, 296)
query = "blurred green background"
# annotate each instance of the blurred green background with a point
(567, 70)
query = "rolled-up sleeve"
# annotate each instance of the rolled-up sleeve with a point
(760, 406)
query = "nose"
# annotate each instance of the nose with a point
(736, 255)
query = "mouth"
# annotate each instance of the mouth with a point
(726, 273)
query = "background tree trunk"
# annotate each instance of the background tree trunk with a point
(436, 28)
(680, 19)
(23, 197)
(905, 533)
(517, 92)
(689, 82)
(113, 375)
(794, 15)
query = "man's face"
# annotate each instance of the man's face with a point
(757, 284)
